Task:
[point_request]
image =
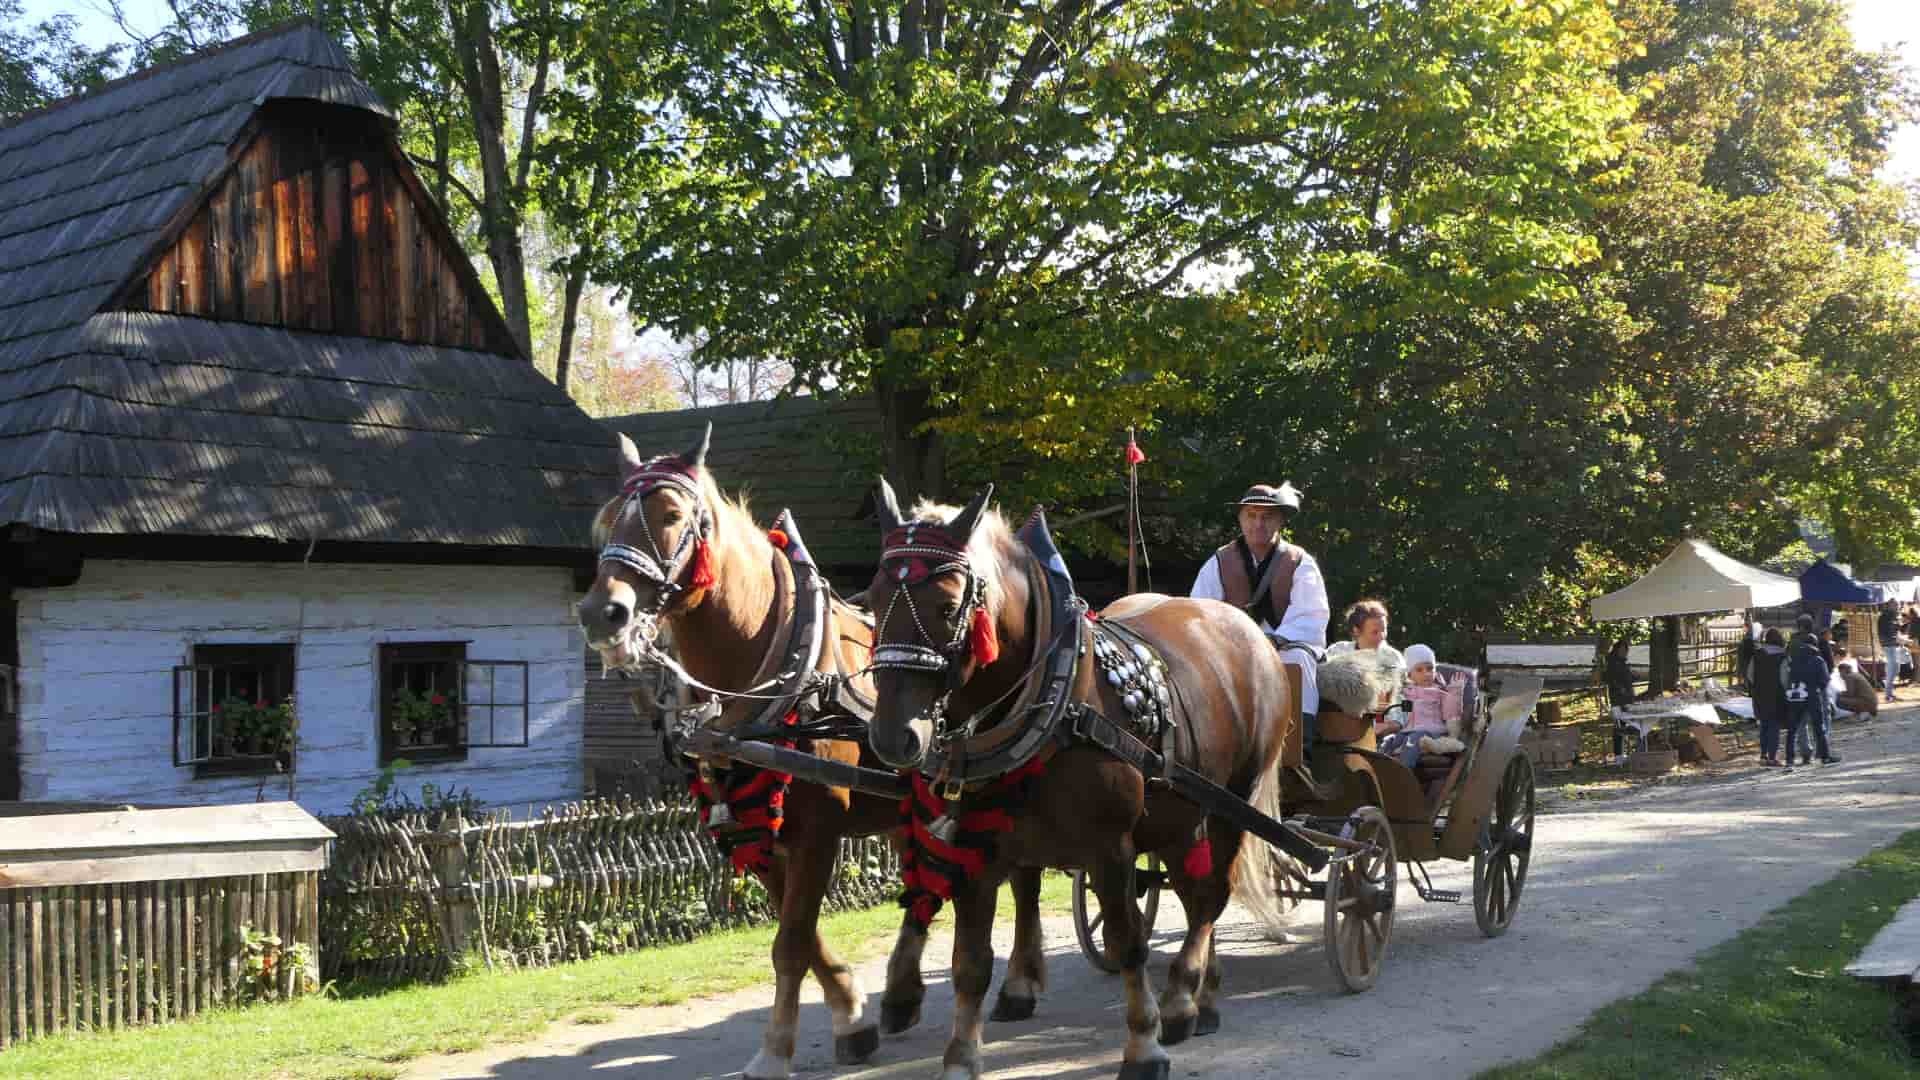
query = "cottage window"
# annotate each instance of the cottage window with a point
(435, 704)
(233, 710)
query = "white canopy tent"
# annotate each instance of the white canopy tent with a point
(1696, 579)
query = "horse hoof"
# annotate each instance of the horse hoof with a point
(1207, 1022)
(857, 1047)
(1175, 1029)
(1145, 1070)
(1008, 1008)
(898, 1017)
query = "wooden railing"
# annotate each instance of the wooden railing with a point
(115, 919)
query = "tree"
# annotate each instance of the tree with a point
(1022, 224)
(1718, 369)
(43, 62)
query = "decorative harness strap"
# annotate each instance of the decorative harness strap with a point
(661, 568)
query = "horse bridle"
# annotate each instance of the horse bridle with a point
(662, 569)
(912, 554)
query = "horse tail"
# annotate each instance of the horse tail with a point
(1260, 872)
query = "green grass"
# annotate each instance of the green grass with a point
(371, 1036)
(1773, 1002)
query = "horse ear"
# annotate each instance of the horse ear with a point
(963, 523)
(697, 457)
(629, 456)
(889, 505)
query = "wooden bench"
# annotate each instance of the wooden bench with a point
(1892, 959)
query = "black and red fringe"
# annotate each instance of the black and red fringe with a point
(932, 868)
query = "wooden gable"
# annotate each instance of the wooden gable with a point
(320, 224)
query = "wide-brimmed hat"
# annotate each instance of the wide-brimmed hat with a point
(1286, 496)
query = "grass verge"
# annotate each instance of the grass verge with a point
(369, 1037)
(1772, 1002)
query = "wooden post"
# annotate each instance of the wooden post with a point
(457, 915)
(1133, 525)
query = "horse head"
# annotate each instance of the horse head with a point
(655, 558)
(937, 596)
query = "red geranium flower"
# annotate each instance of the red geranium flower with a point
(215, 710)
(439, 699)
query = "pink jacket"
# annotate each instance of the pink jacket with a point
(1434, 708)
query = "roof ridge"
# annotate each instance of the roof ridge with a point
(303, 22)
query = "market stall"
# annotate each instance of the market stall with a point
(1695, 579)
(1824, 586)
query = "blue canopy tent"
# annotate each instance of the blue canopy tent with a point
(1824, 586)
(1823, 583)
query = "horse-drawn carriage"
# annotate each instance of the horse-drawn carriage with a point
(1476, 805)
(983, 713)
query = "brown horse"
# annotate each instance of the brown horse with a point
(675, 551)
(960, 600)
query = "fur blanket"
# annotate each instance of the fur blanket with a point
(1354, 682)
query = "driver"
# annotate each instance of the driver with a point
(1276, 583)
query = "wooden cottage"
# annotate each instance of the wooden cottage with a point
(264, 439)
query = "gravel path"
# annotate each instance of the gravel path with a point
(1620, 892)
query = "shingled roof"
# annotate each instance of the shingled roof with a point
(792, 453)
(140, 422)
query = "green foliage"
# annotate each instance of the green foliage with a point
(422, 716)
(1714, 369)
(43, 62)
(269, 965)
(257, 727)
(1026, 225)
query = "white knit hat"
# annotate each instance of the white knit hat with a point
(1417, 655)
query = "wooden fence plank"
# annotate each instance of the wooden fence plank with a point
(7, 1034)
(117, 914)
(149, 955)
(83, 957)
(236, 918)
(104, 958)
(37, 969)
(21, 937)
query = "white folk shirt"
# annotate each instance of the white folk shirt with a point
(1305, 621)
(1307, 607)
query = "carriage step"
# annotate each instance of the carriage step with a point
(1437, 896)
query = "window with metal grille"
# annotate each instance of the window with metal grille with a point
(435, 704)
(233, 710)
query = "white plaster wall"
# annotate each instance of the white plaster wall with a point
(97, 659)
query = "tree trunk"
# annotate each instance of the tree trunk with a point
(915, 462)
(569, 318)
(472, 28)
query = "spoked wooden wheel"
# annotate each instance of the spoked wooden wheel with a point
(1359, 900)
(1506, 843)
(1087, 916)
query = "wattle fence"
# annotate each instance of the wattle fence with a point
(417, 895)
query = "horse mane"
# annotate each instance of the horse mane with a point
(993, 550)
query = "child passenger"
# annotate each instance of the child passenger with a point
(1433, 709)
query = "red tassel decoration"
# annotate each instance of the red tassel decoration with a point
(777, 538)
(982, 637)
(1199, 861)
(702, 567)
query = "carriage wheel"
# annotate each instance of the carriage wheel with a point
(1506, 844)
(1359, 901)
(1087, 903)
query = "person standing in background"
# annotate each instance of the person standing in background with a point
(1769, 698)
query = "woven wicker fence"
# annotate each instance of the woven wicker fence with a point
(413, 896)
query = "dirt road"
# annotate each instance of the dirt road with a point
(1619, 893)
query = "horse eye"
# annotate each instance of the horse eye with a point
(672, 517)
(949, 609)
